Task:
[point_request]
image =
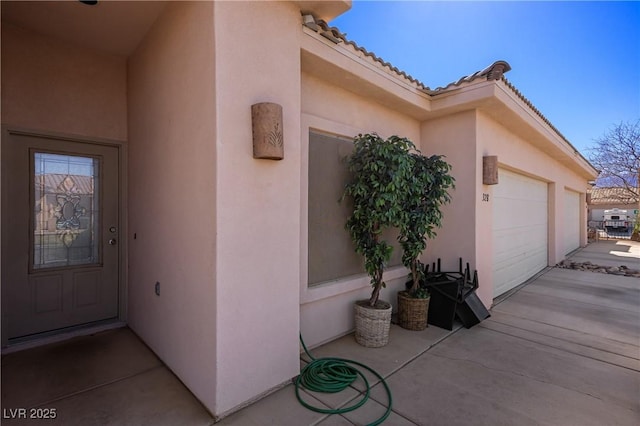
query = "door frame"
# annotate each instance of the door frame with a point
(7, 132)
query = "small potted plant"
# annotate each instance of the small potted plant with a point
(380, 171)
(427, 191)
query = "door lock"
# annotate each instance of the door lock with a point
(112, 242)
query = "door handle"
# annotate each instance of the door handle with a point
(112, 242)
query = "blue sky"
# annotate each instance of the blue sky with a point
(577, 62)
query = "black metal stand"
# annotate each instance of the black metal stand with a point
(453, 295)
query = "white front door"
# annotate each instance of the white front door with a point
(60, 234)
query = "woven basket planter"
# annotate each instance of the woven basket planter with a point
(412, 312)
(372, 323)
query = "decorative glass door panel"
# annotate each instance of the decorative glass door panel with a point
(65, 210)
(60, 234)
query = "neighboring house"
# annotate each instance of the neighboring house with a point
(601, 199)
(217, 260)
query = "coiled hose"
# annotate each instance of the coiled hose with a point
(332, 375)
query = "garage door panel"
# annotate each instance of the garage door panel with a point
(520, 228)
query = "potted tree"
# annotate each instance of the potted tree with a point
(380, 171)
(427, 191)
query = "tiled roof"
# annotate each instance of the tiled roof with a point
(493, 72)
(336, 36)
(611, 196)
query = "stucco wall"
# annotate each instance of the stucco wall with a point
(53, 86)
(513, 152)
(361, 115)
(454, 137)
(467, 226)
(258, 201)
(327, 310)
(172, 194)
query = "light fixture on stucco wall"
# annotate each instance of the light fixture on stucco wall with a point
(490, 170)
(268, 138)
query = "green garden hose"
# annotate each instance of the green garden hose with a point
(331, 375)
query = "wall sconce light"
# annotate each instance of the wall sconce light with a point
(268, 139)
(490, 170)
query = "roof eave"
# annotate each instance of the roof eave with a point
(348, 68)
(323, 9)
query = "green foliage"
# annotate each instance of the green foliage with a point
(394, 186)
(381, 169)
(427, 191)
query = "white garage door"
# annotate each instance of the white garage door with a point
(519, 230)
(571, 221)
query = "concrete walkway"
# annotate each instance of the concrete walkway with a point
(562, 350)
(610, 253)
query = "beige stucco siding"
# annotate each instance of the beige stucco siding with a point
(56, 87)
(360, 115)
(258, 201)
(454, 137)
(172, 194)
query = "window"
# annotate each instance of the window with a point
(331, 252)
(65, 210)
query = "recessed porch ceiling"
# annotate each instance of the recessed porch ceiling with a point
(112, 26)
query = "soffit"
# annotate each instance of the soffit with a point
(112, 26)
(323, 9)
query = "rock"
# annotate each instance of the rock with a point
(587, 266)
